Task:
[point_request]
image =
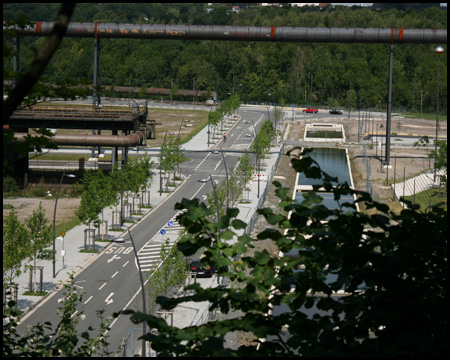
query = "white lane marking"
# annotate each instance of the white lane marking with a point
(114, 257)
(101, 287)
(108, 301)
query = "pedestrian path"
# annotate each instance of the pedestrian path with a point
(418, 183)
(200, 141)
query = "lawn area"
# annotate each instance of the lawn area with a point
(428, 198)
(442, 117)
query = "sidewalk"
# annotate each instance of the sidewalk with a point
(74, 260)
(418, 183)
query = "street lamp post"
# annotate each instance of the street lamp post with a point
(389, 107)
(54, 220)
(160, 164)
(438, 50)
(143, 293)
(209, 119)
(218, 215)
(228, 182)
(257, 164)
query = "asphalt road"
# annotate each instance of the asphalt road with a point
(111, 283)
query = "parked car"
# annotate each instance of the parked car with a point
(211, 102)
(201, 271)
(336, 112)
(310, 110)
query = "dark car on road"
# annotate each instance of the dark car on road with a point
(200, 270)
(336, 112)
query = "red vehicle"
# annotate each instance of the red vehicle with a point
(310, 110)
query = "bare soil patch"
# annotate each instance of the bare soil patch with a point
(24, 208)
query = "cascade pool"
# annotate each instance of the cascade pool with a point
(329, 202)
(332, 161)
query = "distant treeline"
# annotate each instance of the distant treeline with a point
(302, 73)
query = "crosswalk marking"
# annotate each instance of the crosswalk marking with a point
(240, 146)
(149, 254)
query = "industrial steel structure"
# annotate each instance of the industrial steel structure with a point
(242, 33)
(134, 125)
(97, 31)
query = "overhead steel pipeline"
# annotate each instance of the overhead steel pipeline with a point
(134, 139)
(243, 33)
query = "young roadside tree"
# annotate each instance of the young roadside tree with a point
(170, 270)
(219, 204)
(390, 271)
(99, 189)
(16, 247)
(137, 174)
(261, 144)
(244, 169)
(278, 116)
(214, 119)
(90, 207)
(172, 157)
(40, 235)
(441, 158)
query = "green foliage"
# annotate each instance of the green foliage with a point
(266, 134)
(391, 268)
(100, 190)
(244, 169)
(228, 192)
(296, 72)
(46, 340)
(9, 185)
(172, 157)
(441, 158)
(89, 206)
(16, 246)
(40, 232)
(440, 155)
(171, 271)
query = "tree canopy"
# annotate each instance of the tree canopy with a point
(301, 73)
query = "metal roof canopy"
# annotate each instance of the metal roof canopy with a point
(76, 119)
(242, 33)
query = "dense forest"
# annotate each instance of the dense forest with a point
(325, 74)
